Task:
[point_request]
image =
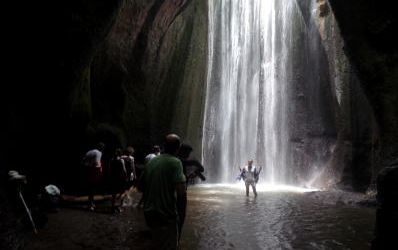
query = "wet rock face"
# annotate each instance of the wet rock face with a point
(371, 47)
(362, 74)
(127, 72)
(336, 132)
(149, 74)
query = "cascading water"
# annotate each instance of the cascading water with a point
(257, 55)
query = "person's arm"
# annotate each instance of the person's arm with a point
(133, 168)
(243, 174)
(97, 160)
(179, 179)
(199, 167)
(181, 189)
(124, 168)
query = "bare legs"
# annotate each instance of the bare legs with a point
(114, 198)
(254, 189)
(91, 205)
(248, 184)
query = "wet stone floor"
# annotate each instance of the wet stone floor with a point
(221, 217)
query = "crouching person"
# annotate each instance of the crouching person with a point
(163, 186)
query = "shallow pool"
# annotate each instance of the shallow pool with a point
(222, 217)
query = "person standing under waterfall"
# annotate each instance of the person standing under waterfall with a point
(250, 175)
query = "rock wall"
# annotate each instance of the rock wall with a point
(353, 162)
(335, 134)
(140, 74)
(367, 28)
(149, 75)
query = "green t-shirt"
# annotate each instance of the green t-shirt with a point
(161, 174)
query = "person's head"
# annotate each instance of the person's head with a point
(250, 163)
(185, 151)
(172, 144)
(118, 152)
(129, 151)
(156, 149)
(101, 146)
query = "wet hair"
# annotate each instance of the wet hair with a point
(129, 150)
(118, 152)
(185, 150)
(172, 143)
(100, 146)
(156, 148)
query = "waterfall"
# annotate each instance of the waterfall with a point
(259, 62)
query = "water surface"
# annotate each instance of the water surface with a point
(222, 217)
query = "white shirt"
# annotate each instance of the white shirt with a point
(250, 173)
(150, 157)
(93, 158)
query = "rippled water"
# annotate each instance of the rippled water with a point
(222, 217)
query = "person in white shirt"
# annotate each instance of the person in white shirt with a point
(250, 175)
(93, 165)
(155, 152)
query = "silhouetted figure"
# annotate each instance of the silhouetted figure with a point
(192, 169)
(163, 185)
(92, 162)
(250, 175)
(155, 152)
(130, 166)
(118, 178)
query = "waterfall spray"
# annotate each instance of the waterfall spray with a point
(263, 64)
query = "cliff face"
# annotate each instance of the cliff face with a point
(351, 144)
(142, 74)
(356, 41)
(123, 72)
(368, 29)
(149, 75)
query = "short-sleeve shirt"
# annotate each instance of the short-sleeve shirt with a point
(250, 175)
(149, 157)
(93, 158)
(161, 175)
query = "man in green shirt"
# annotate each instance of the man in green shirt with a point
(163, 187)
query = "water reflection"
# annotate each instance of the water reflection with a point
(222, 217)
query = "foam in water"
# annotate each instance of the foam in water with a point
(259, 188)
